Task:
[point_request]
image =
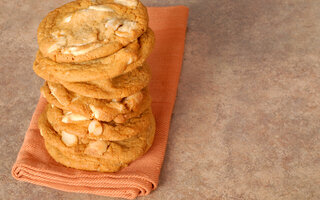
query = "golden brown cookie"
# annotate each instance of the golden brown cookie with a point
(84, 128)
(118, 110)
(83, 30)
(122, 61)
(95, 155)
(118, 87)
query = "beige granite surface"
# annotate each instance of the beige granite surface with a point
(246, 123)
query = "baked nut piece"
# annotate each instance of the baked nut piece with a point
(83, 30)
(95, 155)
(122, 61)
(118, 110)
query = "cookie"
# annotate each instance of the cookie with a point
(118, 87)
(95, 155)
(84, 30)
(84, 128)
(118, 110)
(122, 61)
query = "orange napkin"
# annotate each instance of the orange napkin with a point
(34, 164)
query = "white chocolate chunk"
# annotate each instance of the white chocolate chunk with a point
(74, 99)
(67, 19)
(61, 98)
(41, 133)
(129, 3)
(56, 34)
(53, 92)
(132, 101)
(130, 61)
(96, 113)
(121, 34)
(116, 100)
(60, 41)
(95, 128)
(118, 106)
(103, 8)
(96, 148)
(126, 28)
(80, 51)
(56, 45)
(72, 117)
(53, 47)
(69, 139)
(114, 23)
(82, 44)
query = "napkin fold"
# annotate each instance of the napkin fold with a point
(35, 165)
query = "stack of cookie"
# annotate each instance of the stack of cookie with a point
(92, 55)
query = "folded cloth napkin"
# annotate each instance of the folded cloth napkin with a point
(34, 164)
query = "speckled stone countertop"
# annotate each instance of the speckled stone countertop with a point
(246, 123)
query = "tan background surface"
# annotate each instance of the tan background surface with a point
(246, 124)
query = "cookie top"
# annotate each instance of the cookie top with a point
(83, 30)
(118, 87)
(95, 155)
(122, 61)
(117, 110)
